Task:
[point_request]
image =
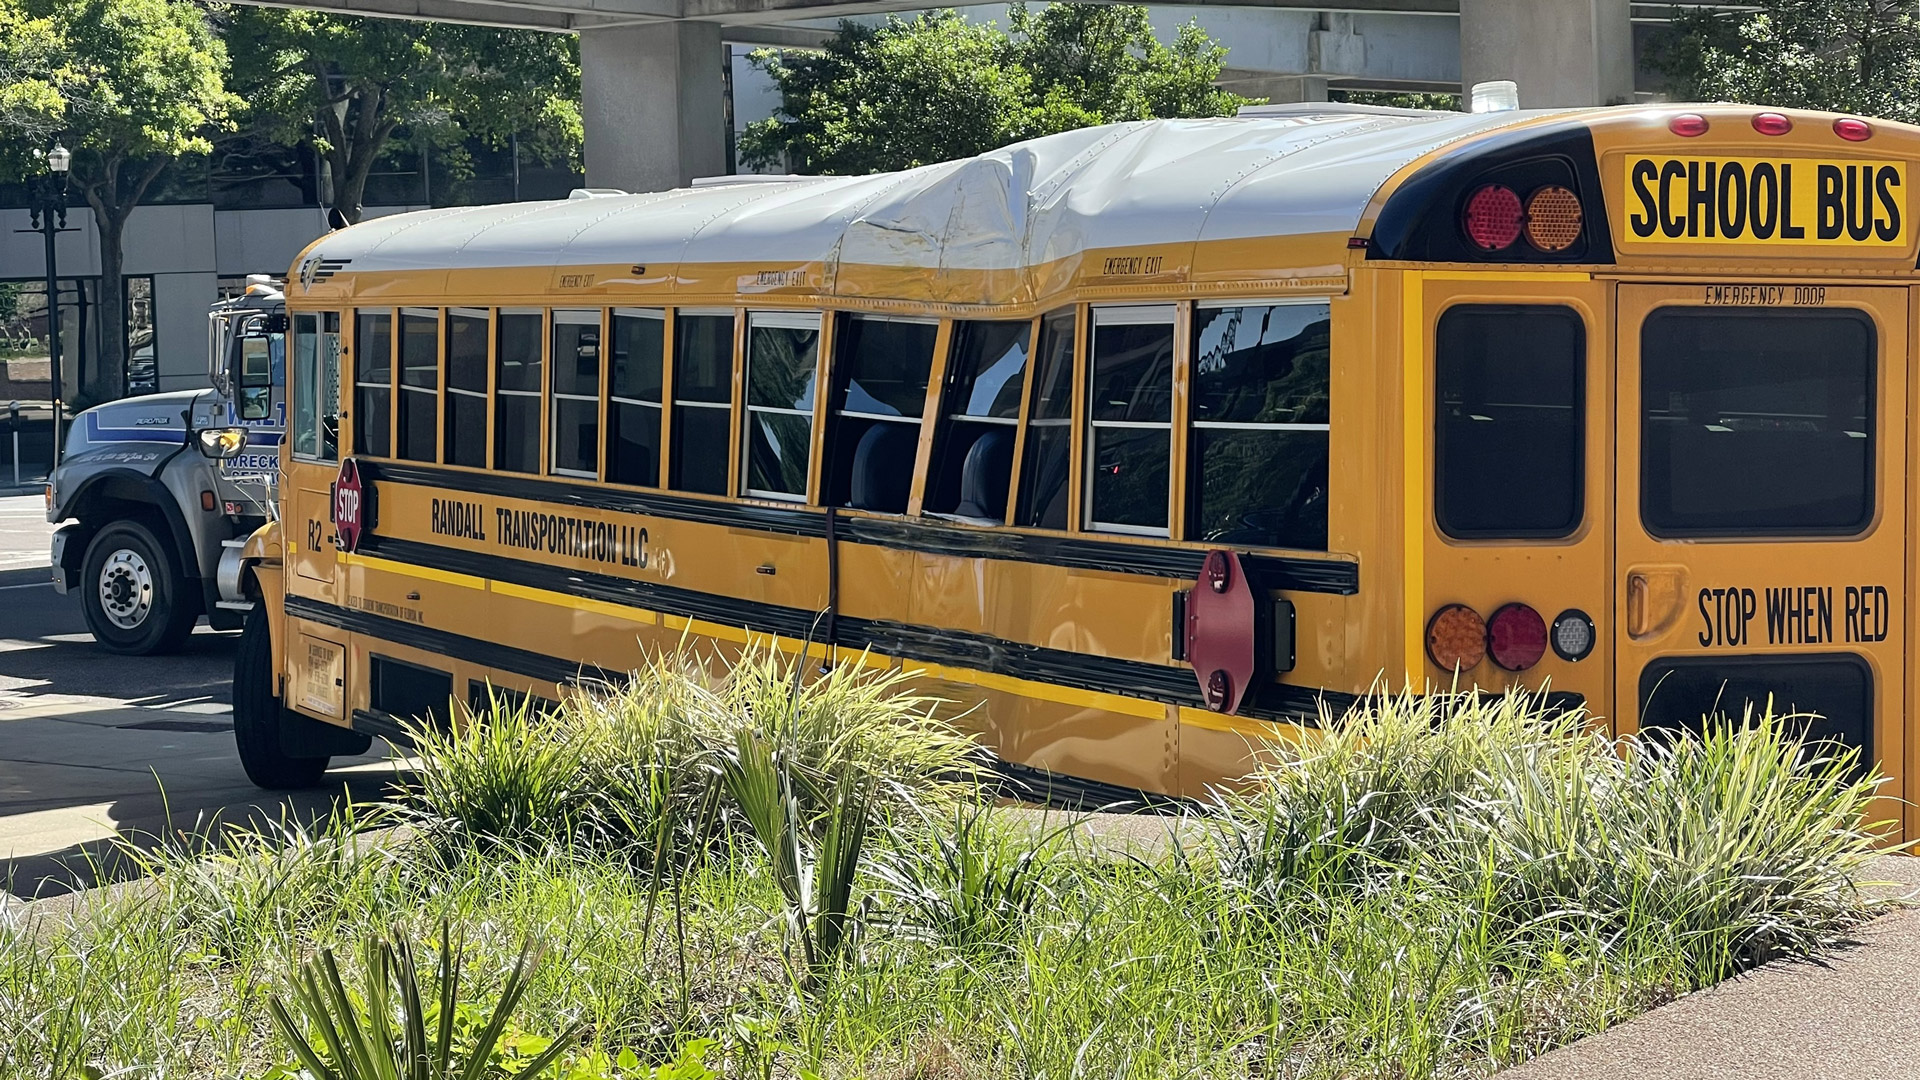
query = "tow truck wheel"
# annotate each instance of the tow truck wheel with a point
(258, 715)
(133, 601)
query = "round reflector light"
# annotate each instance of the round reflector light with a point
(1516, 637)
(1456, 638)
(1771, 123)
(1553, 218)
(1853, 129)
(1572, 636)
(1687, 125)
(1493, 217)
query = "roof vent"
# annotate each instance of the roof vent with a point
(595, 192)
(1501, 95)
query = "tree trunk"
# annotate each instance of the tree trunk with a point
(109, 380)
(356, 133)
(112, 203)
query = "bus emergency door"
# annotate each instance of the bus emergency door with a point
(1762, 510)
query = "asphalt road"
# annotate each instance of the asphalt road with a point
(98, 750)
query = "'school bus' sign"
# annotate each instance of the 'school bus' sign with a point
(1764, 201)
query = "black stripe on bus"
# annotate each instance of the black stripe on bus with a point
(934, 645)
(1335, 576)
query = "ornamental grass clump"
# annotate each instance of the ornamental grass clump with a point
(1722, 850)
(632, 767)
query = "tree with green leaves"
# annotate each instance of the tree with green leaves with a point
(938, 87)
(354, 85)
(35, 73)
(1857, 56)
(139, 83)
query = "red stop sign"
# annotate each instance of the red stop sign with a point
(352, 506)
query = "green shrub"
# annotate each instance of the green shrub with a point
(400, 1026)
(962, 880)
(631, 766)
(1732, 848)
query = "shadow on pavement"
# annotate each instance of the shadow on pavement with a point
(143, 823)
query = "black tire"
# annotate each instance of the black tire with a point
(132, 595)
(258, 716)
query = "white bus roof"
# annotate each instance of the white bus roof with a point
(1269, 173)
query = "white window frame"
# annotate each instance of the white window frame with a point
(1124, 315)
(594, 317)
(774, 320)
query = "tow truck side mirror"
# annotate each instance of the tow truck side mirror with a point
(222, 443)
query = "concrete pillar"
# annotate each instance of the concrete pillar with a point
(651, 103)
(1562, 53)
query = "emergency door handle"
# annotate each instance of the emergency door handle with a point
(1654, 600)
(1638, 601)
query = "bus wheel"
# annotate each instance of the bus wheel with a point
(258, 717)
(133, 601)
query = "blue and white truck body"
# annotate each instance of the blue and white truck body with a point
(145, 516)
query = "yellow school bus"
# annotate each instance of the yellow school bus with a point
(1145, 442)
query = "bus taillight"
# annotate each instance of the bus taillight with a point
(1493, 217)
(1456, 638)
(1516, 637)
(1553, 218)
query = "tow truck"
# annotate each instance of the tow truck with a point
(147, 514)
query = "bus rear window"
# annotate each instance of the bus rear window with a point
(1756, 422)
(1509, 423)
(1828, 699)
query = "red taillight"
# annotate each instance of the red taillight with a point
(1771, 123)
(1852, 129)
(1516, 637)
(1553, 218)
(1687, 125)
(1456, 638)
(1493, 219)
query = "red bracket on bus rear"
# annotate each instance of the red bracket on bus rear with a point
(1220, 632)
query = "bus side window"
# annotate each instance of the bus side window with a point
(972, 463)
(419, 438)
(633, 404)
(576, 394)
(1048, 455)
(883, 369)
(304, 386)
(516, 403)
(466, 418)
(1509, 422)
(326, 386)
(373, 383)
(1258, 455)
(783, 353)
(1130, 420)
(702, 401)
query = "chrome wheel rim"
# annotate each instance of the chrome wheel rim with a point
(126, 589)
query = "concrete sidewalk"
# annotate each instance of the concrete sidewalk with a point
(1855, 1014)
(25, 537)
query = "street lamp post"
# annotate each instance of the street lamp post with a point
(49, 220)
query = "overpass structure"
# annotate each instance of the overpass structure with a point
(653, 75)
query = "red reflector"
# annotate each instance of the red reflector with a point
(1688, 125)
(206, 500)
(1853, 130)
(1456, 638)
(1771, 123)
(1516, 637)
(1493, 217)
